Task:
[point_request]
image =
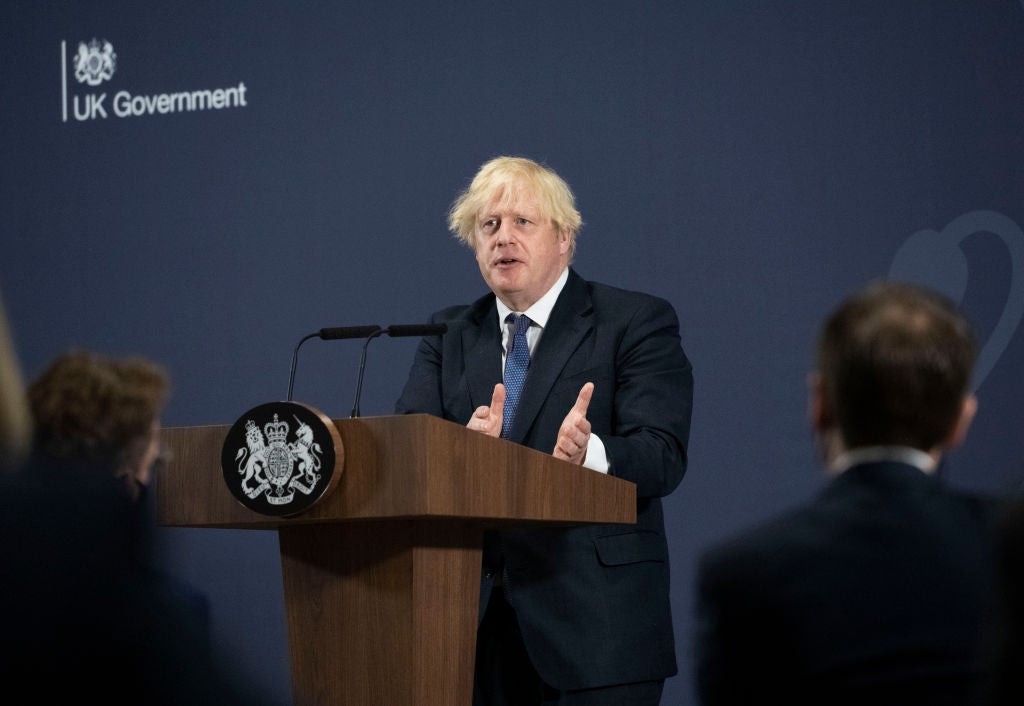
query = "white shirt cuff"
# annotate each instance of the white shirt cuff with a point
(597, 458)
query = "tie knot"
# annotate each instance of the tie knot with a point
(520, 321)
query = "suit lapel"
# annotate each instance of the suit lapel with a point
(568, 325)
(481, 351)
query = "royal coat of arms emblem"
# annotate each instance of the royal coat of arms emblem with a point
(95, 62)
(273, 469)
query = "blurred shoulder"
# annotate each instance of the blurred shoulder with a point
(765, 545)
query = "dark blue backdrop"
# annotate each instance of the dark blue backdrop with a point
(752, 162)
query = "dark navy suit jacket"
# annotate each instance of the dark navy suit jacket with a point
(592, 602)
(876, 592)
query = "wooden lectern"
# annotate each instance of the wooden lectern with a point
(382, 574)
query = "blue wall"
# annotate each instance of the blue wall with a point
(752, 162)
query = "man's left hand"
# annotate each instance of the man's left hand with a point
(574, 434)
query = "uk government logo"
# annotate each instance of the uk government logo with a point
(95, 63)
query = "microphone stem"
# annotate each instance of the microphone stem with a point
(362, 369)
(295, 358)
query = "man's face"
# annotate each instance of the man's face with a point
(519, 250)
(140, 476)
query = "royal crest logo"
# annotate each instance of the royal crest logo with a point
(95, 62)
(273, 470)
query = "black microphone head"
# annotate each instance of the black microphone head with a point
(339, 332)
(399, 330)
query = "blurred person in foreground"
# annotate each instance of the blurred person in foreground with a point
(92, 619)
(95, 414)
(877, 591)
(1005, 686)
(15, 419)
(597, 377)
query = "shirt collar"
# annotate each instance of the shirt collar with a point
(540, 312)
(868, 454)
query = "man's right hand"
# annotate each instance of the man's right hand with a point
(488, 419)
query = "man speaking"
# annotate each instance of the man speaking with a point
(595, 376)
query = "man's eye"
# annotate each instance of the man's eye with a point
(489, 224)
(522, 221)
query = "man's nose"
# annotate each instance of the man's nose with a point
(504, 234)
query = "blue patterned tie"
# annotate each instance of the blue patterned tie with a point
(516, 363)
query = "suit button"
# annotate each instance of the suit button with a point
(489, 574)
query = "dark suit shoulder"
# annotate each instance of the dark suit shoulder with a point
(646, 315)
(984, 504)
(470, 313)
(602, 293)
(858, 507)
(900, 486)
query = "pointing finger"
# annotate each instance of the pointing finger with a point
(498, 398)
(583, 401)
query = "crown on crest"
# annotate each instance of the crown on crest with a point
(277, 432)
(252, 431)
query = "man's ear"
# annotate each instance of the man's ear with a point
(958, 433)
(564, 241)
(819, 408)
(822, 419)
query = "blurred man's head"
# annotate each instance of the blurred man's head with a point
(894, 369)
(105, 411)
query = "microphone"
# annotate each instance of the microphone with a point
(329, 334)
(338, 332)
(395, 331)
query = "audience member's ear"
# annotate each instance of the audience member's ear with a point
(959, 431)
(819, 408)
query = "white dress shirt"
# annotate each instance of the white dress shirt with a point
(539, 313)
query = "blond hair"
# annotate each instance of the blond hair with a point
(507, 178)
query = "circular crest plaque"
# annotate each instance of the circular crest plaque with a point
(280, 458)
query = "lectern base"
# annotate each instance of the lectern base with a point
(382, 612)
